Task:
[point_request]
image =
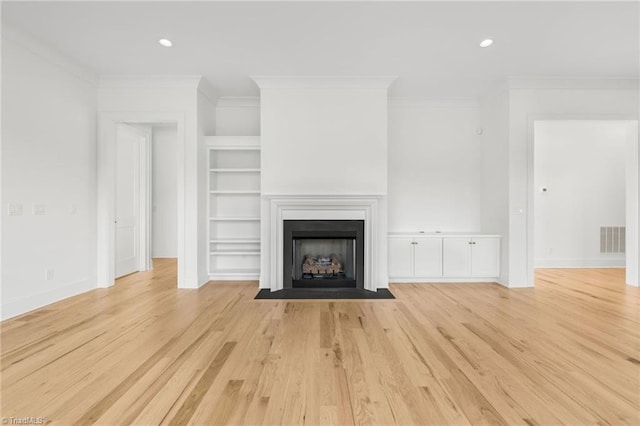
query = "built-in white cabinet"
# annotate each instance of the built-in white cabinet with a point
(234, 207)
(458, 259)
(429, 257)
(415, 256)
(400, 257)
(475, 257)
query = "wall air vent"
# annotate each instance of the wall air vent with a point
(612, 239)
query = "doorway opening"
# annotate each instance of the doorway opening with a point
(584, 205)
(146, 207)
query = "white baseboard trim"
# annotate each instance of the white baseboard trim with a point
(502, 283)
(223, 277)
(441, 280)
(513, 285)
(12, 308)
(519, 285)
(612, 262)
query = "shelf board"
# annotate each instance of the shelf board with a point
(235, 170)
(238, 192)
(235, 253)
(234, 272)
(235, 148)
(235, 241)
(235, 219)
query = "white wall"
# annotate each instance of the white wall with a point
(164, 237)
(237, 117)
(324, 137)
(494, 114)
(324, 141)
(48, 158)
(433, 159)
(506, 117)
(533, 100)
(434, 166)
(582, 166)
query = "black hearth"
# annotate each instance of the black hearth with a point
(323, 254)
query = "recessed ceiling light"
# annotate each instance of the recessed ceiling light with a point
(486, 43)
(165, 42)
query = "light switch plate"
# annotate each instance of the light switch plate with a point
(15, 210)
(39, 209)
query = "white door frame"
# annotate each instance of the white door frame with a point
(632, 200)
(106, 167)
(145, 202)
(144, 199)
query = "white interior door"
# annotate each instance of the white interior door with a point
(127, 201)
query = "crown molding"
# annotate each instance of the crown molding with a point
(49, 54)
(499, 88)
(621, 83)
(206, 89)
(434, 102)
(323, 82)
(239, 102)
(151, 81)
(254, 102)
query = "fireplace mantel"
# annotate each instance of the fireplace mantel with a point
(276, 208)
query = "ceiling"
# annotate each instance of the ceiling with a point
(431, 46)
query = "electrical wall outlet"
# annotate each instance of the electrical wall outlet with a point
(39, 209)
(15, 210)
(49, 274)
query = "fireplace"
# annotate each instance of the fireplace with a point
(276, 209)
(323, 254)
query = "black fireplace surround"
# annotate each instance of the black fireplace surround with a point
(320, 240)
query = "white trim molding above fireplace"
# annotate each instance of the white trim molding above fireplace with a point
(276, 208)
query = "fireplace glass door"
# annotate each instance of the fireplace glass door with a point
(323, 254)
(324, 259)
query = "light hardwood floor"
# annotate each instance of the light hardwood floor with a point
(144, 352)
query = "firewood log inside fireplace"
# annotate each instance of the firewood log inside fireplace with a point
(322, 265)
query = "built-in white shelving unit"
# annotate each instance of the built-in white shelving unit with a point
(234, 207)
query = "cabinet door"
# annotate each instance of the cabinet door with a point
(485, 257)
(427, 257)
(400, 257)
(456, 257)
